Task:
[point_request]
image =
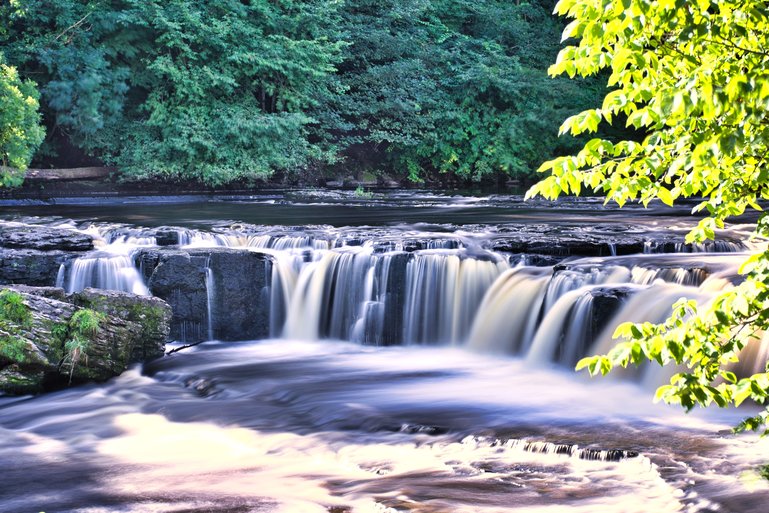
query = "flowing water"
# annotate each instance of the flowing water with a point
(419, 360)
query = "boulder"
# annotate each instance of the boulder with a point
(32, 267)
(49, 340)
(218, 293)
(43, 238)
(151, 314)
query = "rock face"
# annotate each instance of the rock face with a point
(32, 267)
(43, 238)
(48, 340)
(221, 291)
(33, 254)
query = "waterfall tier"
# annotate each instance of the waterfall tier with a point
(420, 288)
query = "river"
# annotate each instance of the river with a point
(417, 357)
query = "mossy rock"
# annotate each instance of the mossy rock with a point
(53, 343)
(152, 314)
(17, 350)
(17, 381)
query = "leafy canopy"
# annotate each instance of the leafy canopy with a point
(694, 75)
(213, 91)
(454, 87)
(20, 129)
(228, 90)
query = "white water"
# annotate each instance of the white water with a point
(305, 425)
(321, 288)
(353, 427)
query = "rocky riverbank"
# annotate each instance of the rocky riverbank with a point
(49, 339)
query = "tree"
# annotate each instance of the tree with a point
(454, 87)
(213, 91)
(694, 76)
(20, 130)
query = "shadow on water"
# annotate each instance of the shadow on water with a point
(335, 208)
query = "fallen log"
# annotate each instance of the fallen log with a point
(74, 173)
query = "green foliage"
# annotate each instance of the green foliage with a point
(12, 349)
(14, 314)
(59, 331)
(454, 87)
(20, 130)
(213, 91)
(85, 323)
(362, 193)
(13, 309)
(228, 90)
(695, 77)
(228, 96)
(82, 328)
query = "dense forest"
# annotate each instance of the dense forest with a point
(294, 89)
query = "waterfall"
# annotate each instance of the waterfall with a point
(111, 269)
(508, 314)
(430, 288)
(351, 293)
(648, 304)
(285, 273)
(443, 292)
(60, 276)
(328, 295)
(210, 297)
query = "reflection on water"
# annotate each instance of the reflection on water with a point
(341, 208)
(334, 427)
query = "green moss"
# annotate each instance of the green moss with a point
(13, 309)
(362, 193)
(85, 323)
(14, 381)
(150, 317)
(81, 330)
(13, 348)
(59, 331)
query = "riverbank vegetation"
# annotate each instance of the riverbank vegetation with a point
(695, 77)
(299, 89)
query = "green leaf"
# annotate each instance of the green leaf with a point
(665, 196)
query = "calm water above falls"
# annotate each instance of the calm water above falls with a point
(472, 407)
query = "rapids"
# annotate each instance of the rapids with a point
(419, 359)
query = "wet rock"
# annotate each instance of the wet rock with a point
(15, 381)
(202, 386)
(49, 343)
(43, 238)
(535, 260)
(56, 293)
(166, 237)
(421, 429)
(606, 302)
(32, 267)
(153, 315)
(180, 280)
(227, 287)
(392, 330)
(240, 300)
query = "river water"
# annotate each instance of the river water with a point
(465, 412)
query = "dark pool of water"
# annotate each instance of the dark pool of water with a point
(336, 208)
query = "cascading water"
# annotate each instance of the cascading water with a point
(111, 267)
(112, 270)
(373, 292)
(465, 415)
(443, 292)
(210, 298)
